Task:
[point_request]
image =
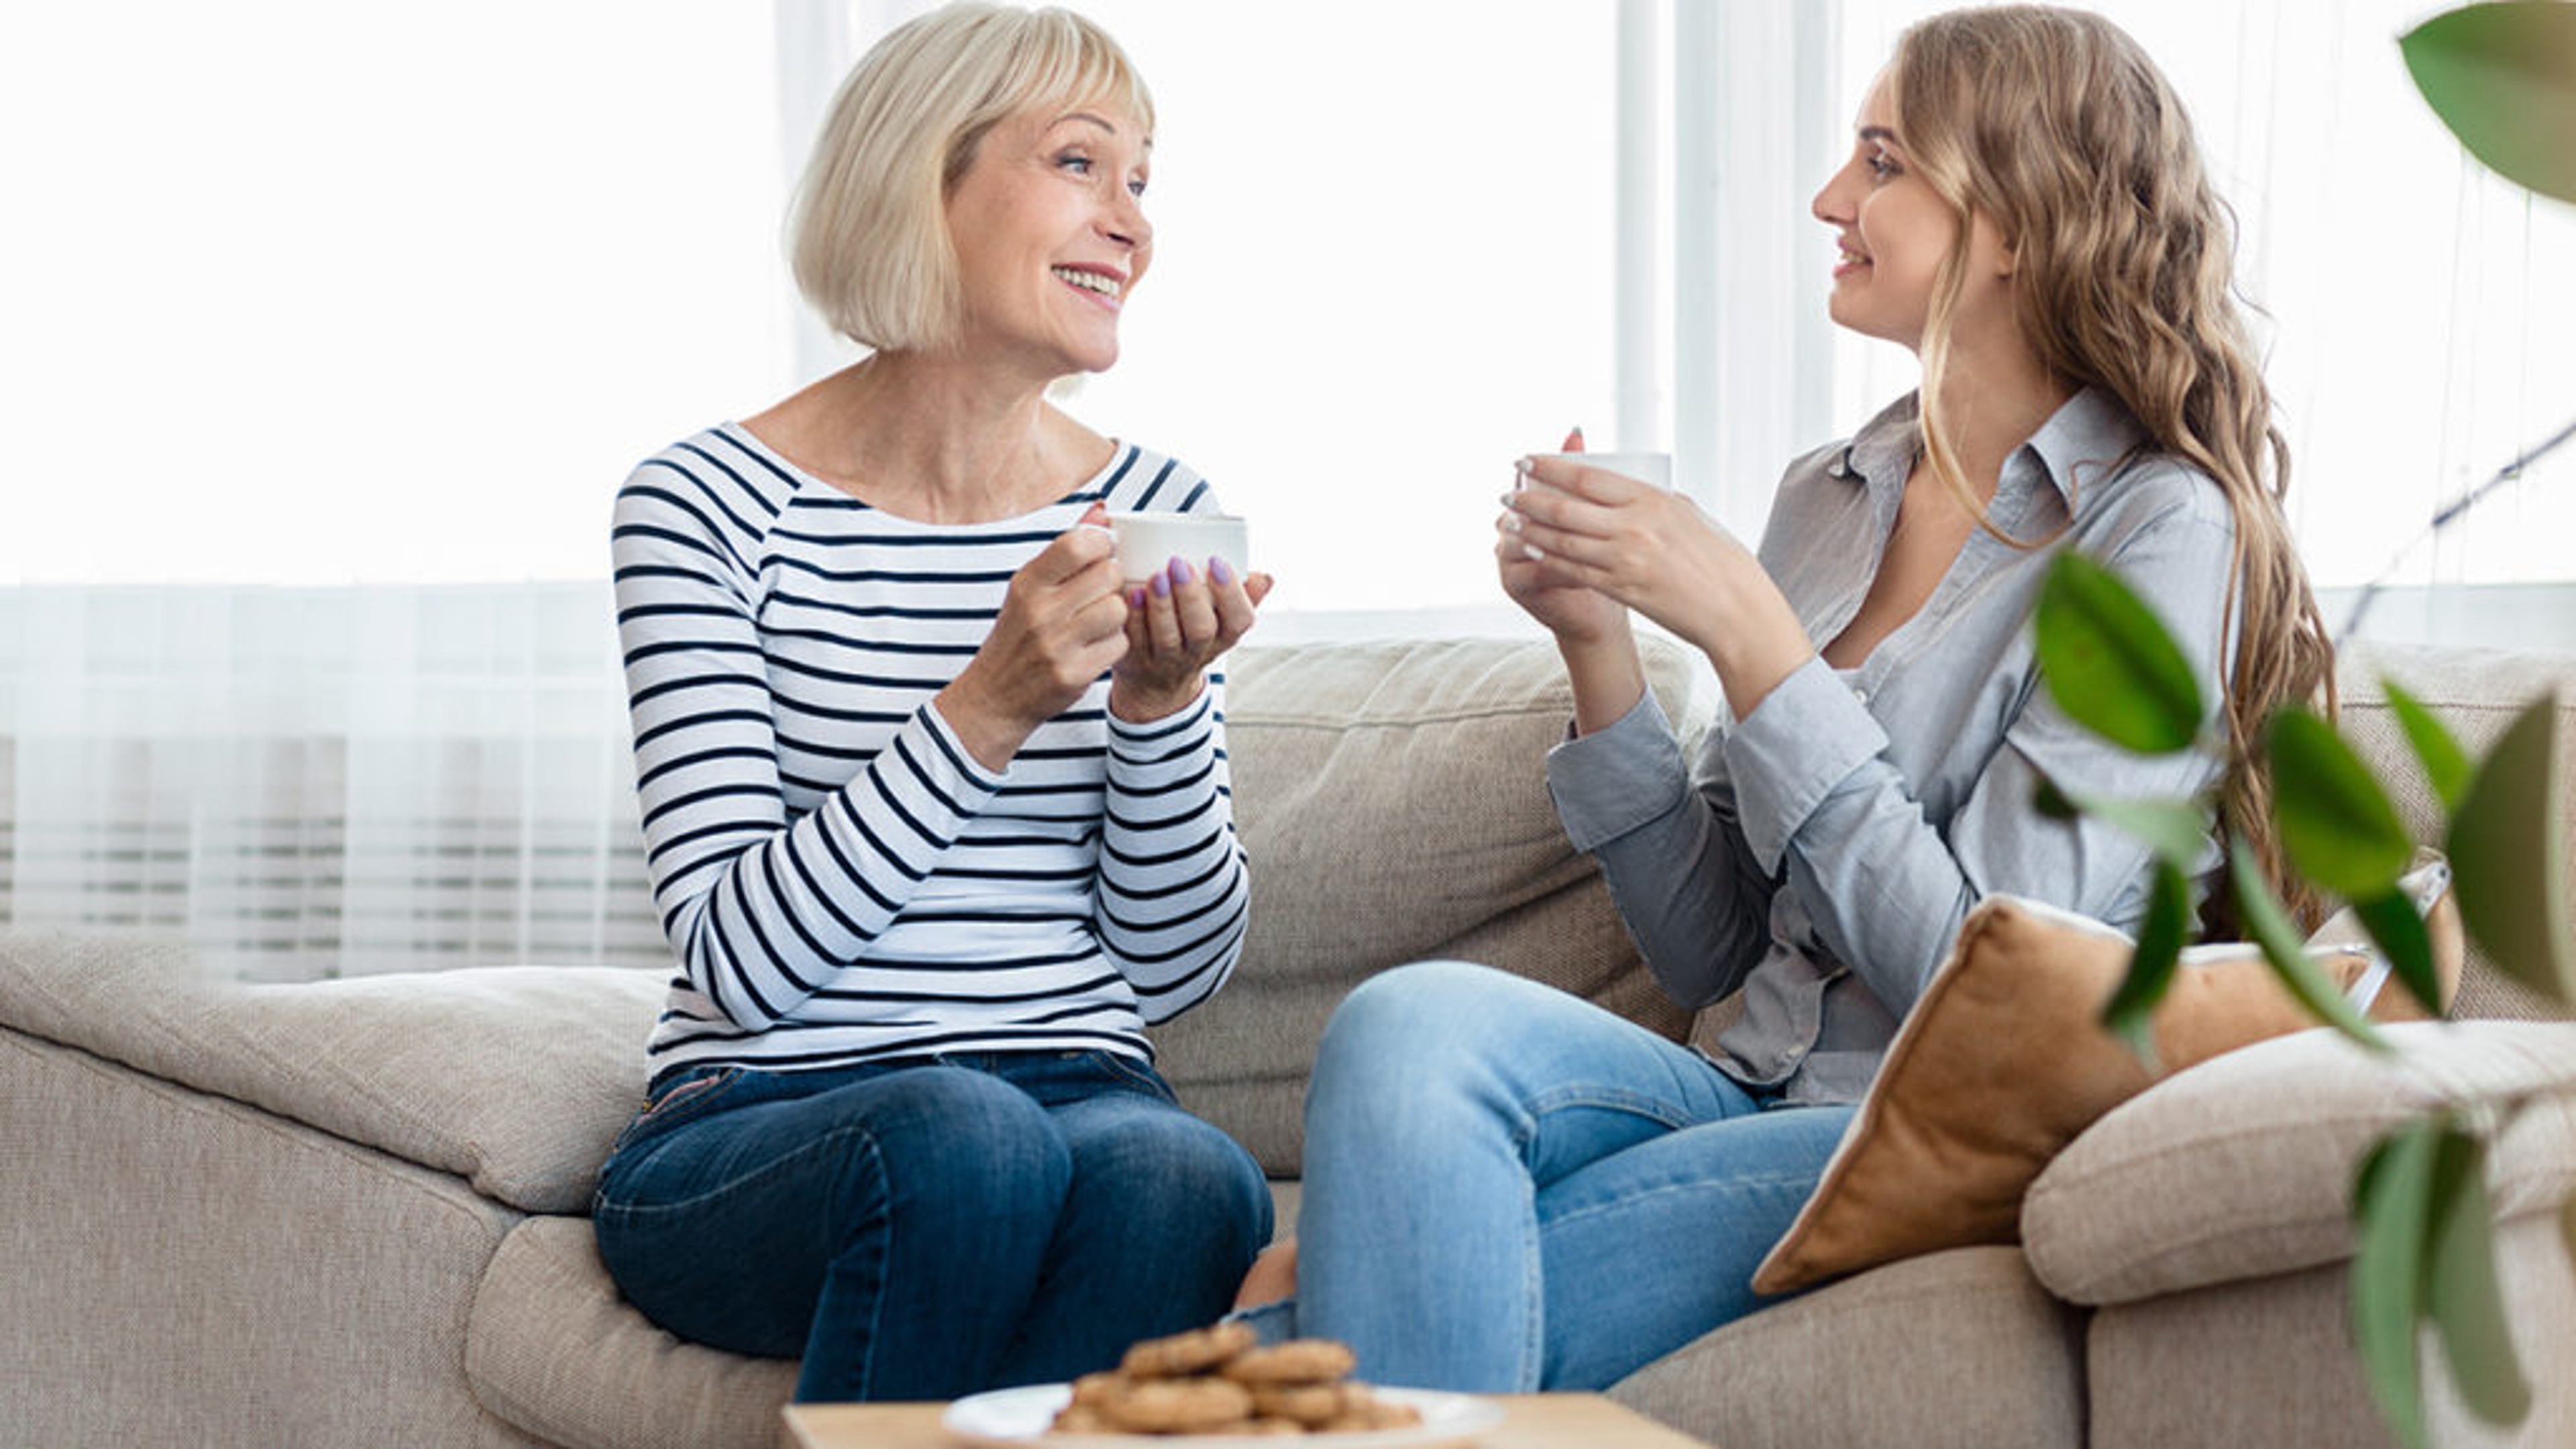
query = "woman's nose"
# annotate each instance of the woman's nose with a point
(1127, 224)
(1828, 207)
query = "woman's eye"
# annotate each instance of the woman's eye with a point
(1075, 162)
(1883, 168)
(1136, 189)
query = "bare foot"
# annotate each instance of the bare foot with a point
(1273, 1276)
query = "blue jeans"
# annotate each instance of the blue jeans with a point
(926, 1229)
(1508, 1188)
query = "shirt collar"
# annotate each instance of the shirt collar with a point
(2090, 431)
(2093, 432)
(1883, 450)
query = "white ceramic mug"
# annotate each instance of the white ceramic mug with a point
(1148, 542)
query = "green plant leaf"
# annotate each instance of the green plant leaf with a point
(2110, 664)
(2268, 923)
(2130, 1013)
(2446, 765)
(2397, 928)
(2392, 1209)
(2460, 1290)
(2052, 802)
(2336, 822)
(2508, 857)
(2502, 77)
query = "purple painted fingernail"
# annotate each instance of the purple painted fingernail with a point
(1219, 572)
(1162, 586)
(1136, 598)
(1181, 572)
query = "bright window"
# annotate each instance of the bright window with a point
(306, 292)
(309, 292)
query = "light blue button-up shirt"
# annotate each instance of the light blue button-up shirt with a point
(1822, 853)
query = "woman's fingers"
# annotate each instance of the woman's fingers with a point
(1163, 631)
(1609, 508)
(1234, 601)
(1577, 479)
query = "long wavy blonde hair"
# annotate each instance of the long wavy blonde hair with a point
(2056, 126)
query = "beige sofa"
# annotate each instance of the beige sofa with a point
(351, 1212)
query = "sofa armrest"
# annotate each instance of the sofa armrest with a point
(517, 1078)
(2243, 1167)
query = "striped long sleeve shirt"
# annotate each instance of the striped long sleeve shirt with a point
(840, 880)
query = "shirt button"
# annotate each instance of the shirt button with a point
(1860, 694)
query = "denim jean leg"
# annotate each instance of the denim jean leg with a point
(1162, 1217)
(890, 1226)
(1445, 1099)
(1654, 1245)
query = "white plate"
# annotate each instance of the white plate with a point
(1012, 1418)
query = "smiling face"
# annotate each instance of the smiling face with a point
(1049, 227)
(1895, 232)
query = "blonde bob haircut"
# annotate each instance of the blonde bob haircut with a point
(868, 237)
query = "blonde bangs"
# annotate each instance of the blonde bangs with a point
(1060, 62)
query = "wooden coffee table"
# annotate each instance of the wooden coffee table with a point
(1530, 1421)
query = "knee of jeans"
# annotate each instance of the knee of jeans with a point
(1176, 1169)
(1399, 1032)
(952, 1134)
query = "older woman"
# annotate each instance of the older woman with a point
(935, 805)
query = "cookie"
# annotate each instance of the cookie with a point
(1189, 1353)
(1175, 1406)
(1079, 1419)
(1297, 1361)
(1091, 1389)
(1257, 1427)
(1307, 1404)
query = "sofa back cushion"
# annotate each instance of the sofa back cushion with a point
(1393, 800)
(2476, 693)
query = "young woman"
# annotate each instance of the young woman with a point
(935, 808)
(1507, 1188)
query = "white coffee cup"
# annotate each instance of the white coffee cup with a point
(1653, 469)
(1148, 542)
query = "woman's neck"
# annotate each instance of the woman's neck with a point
(1995, 394)
(927, 437)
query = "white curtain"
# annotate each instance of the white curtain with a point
(313, 782)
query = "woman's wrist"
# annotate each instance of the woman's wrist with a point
(1136, 704)
(1753, 641)
(989, 732)
(1607, 676)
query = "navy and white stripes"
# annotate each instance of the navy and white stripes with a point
(841, 880)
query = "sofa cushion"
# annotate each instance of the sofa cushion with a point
(1393, 800)
(2476, 693)
(553, 1349)
(1958, 1348)
(2003, 1061)
(2243, 1167)
(516, 1077)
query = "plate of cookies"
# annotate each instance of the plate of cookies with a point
(1220, 1388)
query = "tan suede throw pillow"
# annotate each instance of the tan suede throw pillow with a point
(2003, 1062)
